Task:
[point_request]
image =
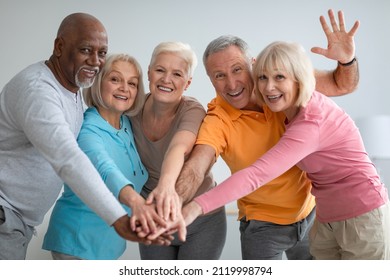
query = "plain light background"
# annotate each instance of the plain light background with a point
(28, 29)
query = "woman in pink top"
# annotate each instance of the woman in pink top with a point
(352, 203)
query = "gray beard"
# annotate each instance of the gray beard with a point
(85, 84)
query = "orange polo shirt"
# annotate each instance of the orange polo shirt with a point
(241, 137)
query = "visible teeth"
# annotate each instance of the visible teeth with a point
(235, 93)
(89, 71)
(274, 96)
(120, 97)
(165, 89)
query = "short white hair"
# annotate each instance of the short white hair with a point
(183, 50)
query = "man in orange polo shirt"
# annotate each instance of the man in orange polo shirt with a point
(275, 218)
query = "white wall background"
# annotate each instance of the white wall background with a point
(28, 29)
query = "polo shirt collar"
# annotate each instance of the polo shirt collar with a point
(235, 113)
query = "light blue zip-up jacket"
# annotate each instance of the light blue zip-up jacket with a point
(74, 229)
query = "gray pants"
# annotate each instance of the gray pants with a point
(206, 237)
(15, 235)
(268, 241)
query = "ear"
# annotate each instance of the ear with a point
(253, 60)
(58, 46)
(188, 83)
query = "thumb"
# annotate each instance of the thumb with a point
(182, 232)
(319, 51)
(150, 198)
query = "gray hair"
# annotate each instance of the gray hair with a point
(223, 42)
(93, 96)
(183, 50)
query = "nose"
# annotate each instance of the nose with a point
(94, 59)
(231, 82)
(270, 85)
(165, 78)
(124, 86)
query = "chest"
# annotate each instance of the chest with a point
(155, 129)
(250, 138)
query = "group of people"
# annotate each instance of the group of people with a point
(137, 166)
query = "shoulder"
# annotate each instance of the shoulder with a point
(38, 73)
(91, 115)
(191, 102)
(93, 122)
(314, 114)
(319, 106)
(190, 106)
(35, 78)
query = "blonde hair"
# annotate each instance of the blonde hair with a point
(93, 96)
(293, 59)
(183, 50)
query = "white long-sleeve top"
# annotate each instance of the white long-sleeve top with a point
(39, 123)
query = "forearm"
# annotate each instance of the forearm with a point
(347, 77)
(171, 167)
(194, 171)
(188, 183)
(341, 81)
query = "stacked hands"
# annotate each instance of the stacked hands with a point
(156, 219)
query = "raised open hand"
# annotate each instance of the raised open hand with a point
(341, 45)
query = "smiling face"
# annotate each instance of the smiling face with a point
(230, 74)
(168, 77)
(119, 89)
(80, 50)
(279, 91)
(284, 77)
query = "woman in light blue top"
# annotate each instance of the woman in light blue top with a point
(75, 231)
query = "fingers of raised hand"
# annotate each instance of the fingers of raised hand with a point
(333, 22)
(341, 21)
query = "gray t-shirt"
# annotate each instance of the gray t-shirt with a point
(39, 123)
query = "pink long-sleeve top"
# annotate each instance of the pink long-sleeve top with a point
(323, 141)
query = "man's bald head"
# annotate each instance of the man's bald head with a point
(75, 22)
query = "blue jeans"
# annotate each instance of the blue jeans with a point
(268, 241)
(205, 241)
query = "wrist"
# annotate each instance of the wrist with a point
(348, 63)
(197, 208)
(121, 222)
(181, 200)
(128, 196)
